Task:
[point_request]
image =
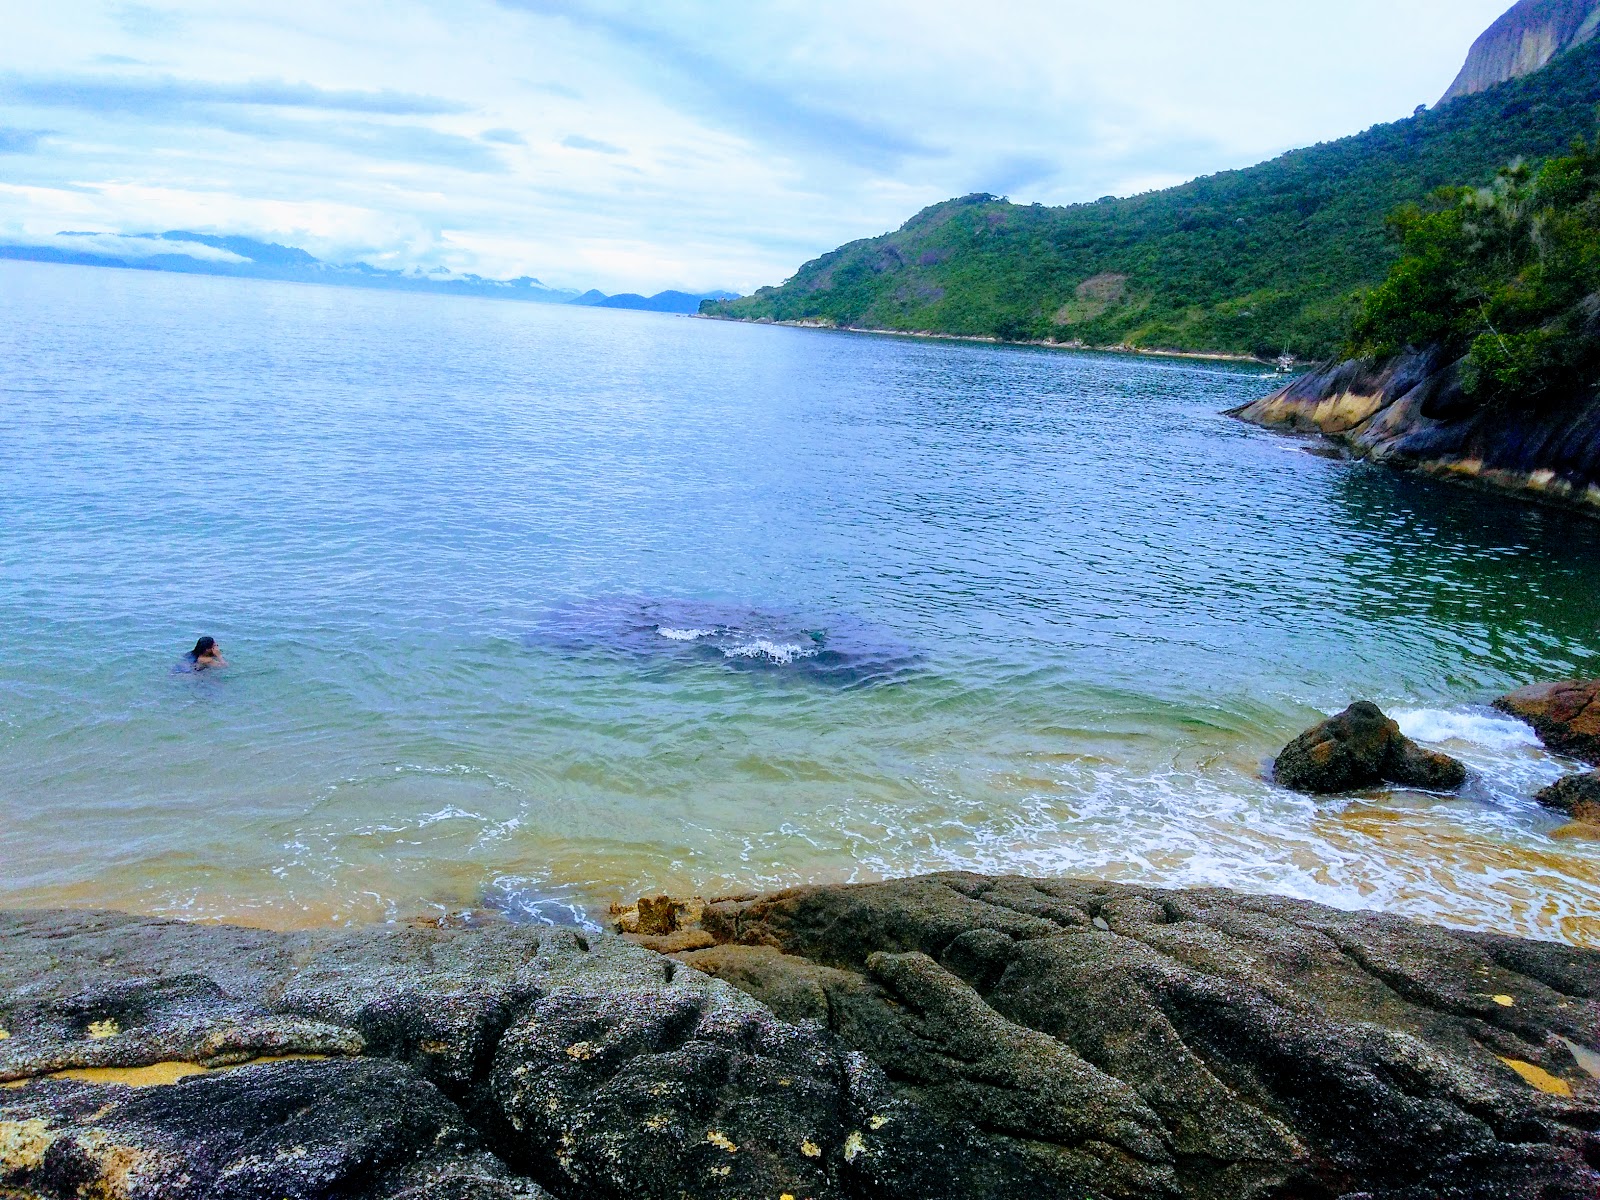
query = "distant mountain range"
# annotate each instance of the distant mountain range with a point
(1259, 261)
(187, 252)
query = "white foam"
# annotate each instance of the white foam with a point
(1477, 729)
(684, 635)
(778, 652)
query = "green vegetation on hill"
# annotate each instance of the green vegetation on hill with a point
(1254, 261)
(1505, 276)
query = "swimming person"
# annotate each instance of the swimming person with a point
(205, 655)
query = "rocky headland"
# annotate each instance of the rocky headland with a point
(947, 1036)
(1410, 411)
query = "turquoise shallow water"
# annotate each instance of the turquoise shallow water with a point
(540, 607)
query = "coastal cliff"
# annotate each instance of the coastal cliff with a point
(1409, 410)
(954, 1036)
(1523, 41)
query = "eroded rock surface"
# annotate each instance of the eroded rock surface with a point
(1138, 1042)
(1565, 715)
(1361, 747)
(947, 1037)
(483, 1064)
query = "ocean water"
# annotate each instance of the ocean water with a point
(535, 608)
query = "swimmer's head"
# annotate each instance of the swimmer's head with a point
(204, 647)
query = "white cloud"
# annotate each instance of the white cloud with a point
(688, 143)
(129, 246)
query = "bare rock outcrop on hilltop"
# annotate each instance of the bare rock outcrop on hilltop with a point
(953, 1036)
(1524, 40)
(1410, 411)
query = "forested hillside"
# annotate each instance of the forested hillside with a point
(1256, 261)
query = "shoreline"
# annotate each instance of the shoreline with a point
(931, 335)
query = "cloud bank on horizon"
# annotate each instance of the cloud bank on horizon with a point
(684, 144)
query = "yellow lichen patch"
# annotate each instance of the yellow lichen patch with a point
(580, 1050)
(722, 1172)
(656, 1122)
(1504, 1001)
(1538, 1076)
(4, 1034)
(810, 1149)
(163, 1073)
(23, 1143)
(155, 1075)
(854, 1145)
(787, 1196)
(876, 1123)
(721, 1141)
(100, 1030)
(434, 1047)
(14, 1083)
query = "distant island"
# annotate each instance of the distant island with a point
(1257, 262)
(190, 253)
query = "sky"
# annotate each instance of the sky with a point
(692, 144)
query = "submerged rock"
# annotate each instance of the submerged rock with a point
(1565, 715)
(1361, 747)
(952, 1037)
(1577, 795)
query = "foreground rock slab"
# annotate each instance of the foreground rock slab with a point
(953, 1036)
(1199, 1043)
(1565, 715)
(157, 1059)
(1359, 748)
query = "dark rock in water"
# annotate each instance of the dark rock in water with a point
(528, 904)
(1361, 747)
(1577, 795)
(1129, 1041)
(1566, 715)
(952, 1037)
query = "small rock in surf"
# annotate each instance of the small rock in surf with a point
(1359, 748)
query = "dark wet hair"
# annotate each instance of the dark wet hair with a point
(206, 645)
